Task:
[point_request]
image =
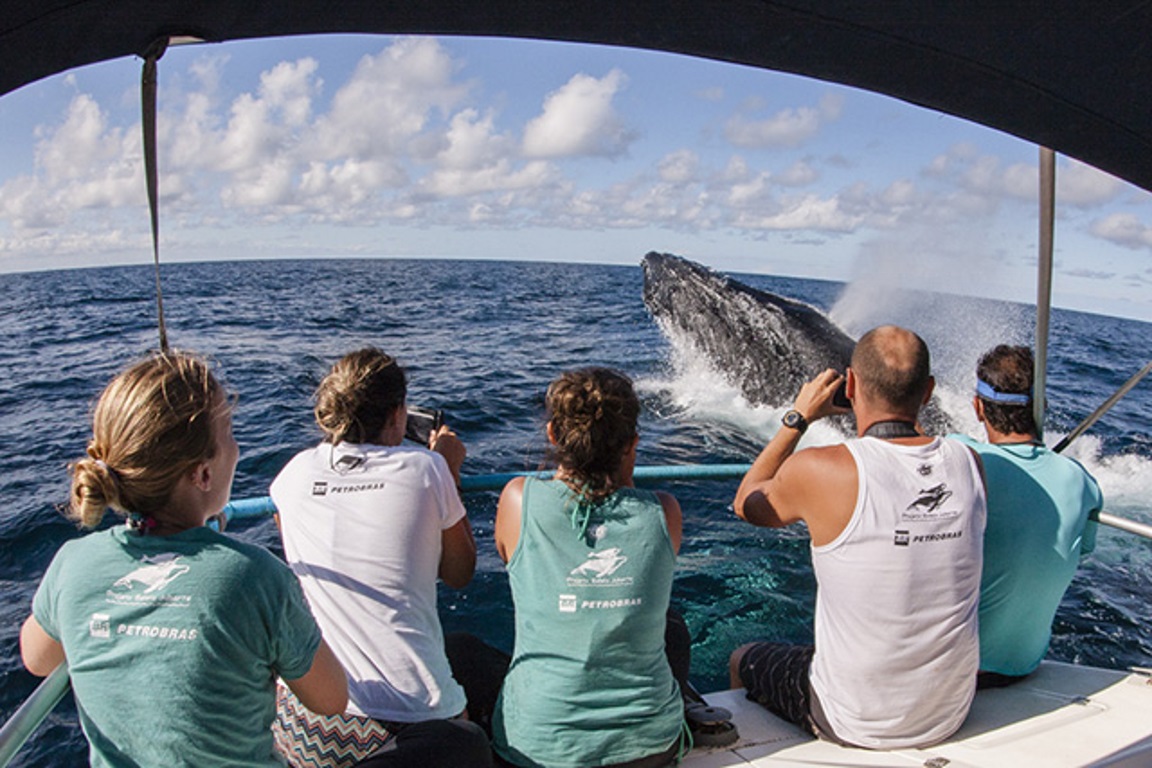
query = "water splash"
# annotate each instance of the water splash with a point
(697, 390)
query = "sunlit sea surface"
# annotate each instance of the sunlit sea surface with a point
(481, 340)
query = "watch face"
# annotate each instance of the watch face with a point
(793, 419)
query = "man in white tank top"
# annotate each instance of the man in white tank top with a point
(896, 521)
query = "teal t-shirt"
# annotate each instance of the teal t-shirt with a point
(589, 683)
(1038, 528)
(174, 644)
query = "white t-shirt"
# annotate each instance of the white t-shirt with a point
(896, 633)
(362, 529)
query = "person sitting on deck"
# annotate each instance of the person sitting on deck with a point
(896, 521)
(1038, 526)
(173, 633)
(590, 561)
(368, 526)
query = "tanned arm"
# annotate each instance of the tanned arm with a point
(768, 495)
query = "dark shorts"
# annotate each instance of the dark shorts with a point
(996, 680)
(665, 759)
(433, 744)
(776, 676)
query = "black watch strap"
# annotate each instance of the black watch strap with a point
(795, 420)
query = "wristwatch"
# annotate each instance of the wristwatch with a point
(795, 420)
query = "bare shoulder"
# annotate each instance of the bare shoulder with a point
(819, 461)
(507, 527)
(825, 479)
(513, 490)
(673, 518)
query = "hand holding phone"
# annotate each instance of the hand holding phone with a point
(422, 423)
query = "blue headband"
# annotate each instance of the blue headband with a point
(986, 392)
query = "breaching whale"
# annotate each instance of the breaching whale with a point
(764, 344)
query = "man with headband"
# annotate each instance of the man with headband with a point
(1038, 526)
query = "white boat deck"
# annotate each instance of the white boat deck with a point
(1063, 715)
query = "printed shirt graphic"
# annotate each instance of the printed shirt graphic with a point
(186, 632)
(156, 573)
(589, 683)
(601, 564)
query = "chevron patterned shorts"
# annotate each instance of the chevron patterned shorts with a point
(307, 740)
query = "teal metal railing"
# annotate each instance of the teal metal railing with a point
(32, 712)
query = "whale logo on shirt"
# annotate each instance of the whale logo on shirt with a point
(600, 564)
(160, 571)
(930, 499)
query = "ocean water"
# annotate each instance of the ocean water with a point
(481, 340)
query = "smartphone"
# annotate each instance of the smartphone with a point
(840, 396)
(422, 422)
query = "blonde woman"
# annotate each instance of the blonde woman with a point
(173, 634)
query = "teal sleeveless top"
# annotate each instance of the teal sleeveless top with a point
(589, 683)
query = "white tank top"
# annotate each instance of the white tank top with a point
(896, 635)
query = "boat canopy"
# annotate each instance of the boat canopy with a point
(1064, 74)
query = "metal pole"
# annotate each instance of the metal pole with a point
(1104, 408)
(1124, 524)
(31, 713)
(1044, 284)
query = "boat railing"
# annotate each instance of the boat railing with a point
(32, 712)
(263, 506)
(44, 699)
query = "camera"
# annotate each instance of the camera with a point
(840, 396)
(422, 422)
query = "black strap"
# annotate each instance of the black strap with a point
(891, 430)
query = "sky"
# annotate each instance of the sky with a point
(371, 146)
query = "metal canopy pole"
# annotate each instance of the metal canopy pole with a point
(1044, 283)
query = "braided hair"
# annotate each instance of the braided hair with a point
(592, 413)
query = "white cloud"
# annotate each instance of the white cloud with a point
(266, 185)
(578, 119)
(290, 87)
(56, 244)
(799, 174)
(749, 192)
(1124, 229)
(1077, 185)
(472, 142)
(500, 176)
(679, 167)
(1090, 274)
(82, 164)
(787, 128)
(1083, 186)
(387, 101)
(901, 192)
(1019, 181)
(807, 213)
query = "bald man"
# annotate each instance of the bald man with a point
(896, 520)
